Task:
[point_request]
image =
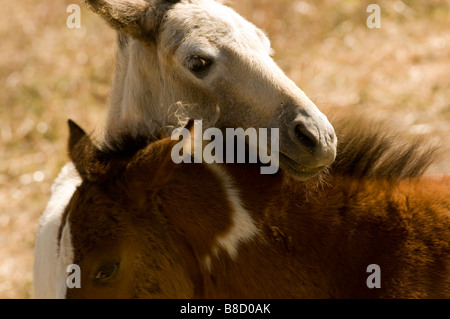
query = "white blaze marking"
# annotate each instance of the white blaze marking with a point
(243, 228)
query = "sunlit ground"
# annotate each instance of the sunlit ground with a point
(50, 73)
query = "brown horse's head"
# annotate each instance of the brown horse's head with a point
(122, 243)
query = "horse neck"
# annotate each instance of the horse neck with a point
(320, 235)
(135, 96)
(336, 231)
(294, 231)
(220, 211)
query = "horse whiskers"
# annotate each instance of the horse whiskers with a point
(314, 186)
(184, 112)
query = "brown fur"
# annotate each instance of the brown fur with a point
(370, 148)
(158, 220)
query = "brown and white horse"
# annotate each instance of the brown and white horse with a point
(140, 226)
(192, 58)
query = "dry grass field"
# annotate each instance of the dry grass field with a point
(49, 73)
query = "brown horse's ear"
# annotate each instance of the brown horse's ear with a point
(85, 155)
(137, 18)
(152, 167)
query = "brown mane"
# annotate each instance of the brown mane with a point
(374, 149)
(366, 149)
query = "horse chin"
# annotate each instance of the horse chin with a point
(297, 170)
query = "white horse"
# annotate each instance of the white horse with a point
(190, 59)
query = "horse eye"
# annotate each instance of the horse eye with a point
(197, 64)
(106, 272)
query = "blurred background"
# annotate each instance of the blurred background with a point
(49, 73)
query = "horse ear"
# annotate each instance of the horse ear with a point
(137, 18)
(84, 154)
(76, 134)
(152, 168)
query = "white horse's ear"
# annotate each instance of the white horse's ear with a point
(137, 18)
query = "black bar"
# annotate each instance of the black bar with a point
(179, 309)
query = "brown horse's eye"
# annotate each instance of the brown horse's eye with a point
(106, 272)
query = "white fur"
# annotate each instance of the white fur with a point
(65, 258)
(243, 228)
(46, 251)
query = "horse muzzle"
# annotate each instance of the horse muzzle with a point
(307, 141)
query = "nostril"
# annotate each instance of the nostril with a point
(305, 137)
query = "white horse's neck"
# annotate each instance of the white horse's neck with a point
(135, 102)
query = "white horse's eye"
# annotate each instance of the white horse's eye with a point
(197, 65)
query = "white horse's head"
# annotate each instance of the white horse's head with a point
(199, 58)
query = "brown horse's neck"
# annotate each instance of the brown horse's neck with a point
(315, 242)
(329, 235)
